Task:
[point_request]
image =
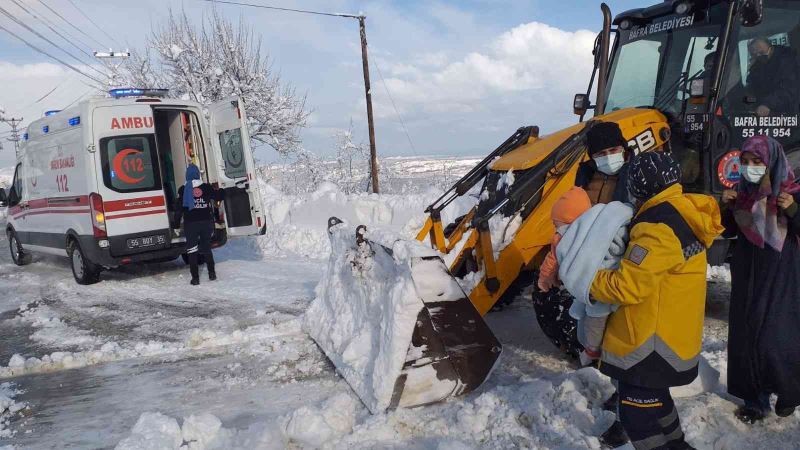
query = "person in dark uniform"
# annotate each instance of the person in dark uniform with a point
(198, 220)
(773, 79)
(601, 175)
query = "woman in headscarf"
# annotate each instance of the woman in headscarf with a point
(195, 200)
(764, 324)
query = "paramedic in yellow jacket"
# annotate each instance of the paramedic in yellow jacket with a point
(653, 340)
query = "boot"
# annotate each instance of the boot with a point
(782, 410)
(193, 269)
(611, 403)
(212, 272)
(750, 415)
(615, 436)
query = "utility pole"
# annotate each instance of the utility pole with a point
(14, 124)
(110, 55)
(373, 154)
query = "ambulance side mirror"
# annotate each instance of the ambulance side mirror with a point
(3, 198)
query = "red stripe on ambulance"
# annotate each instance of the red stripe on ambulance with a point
(133, 203)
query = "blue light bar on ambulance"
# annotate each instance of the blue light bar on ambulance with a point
(52, 112)
(25, 137)
(75, 121)
(45, 129)
(136, 92)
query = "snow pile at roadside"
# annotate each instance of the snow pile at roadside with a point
(198, 340)
(366, 311)
(310, 426)
(9, 408)
(297, 224)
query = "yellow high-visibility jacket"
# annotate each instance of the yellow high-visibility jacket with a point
(654, 338)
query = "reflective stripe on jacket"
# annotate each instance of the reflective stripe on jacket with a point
(654, 339)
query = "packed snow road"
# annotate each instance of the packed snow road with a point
(142, 360)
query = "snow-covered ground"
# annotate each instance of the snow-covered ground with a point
(144, 361)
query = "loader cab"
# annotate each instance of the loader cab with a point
(695, 63)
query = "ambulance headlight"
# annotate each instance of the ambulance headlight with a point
(103, 243)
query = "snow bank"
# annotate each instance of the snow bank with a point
(366, 310)
(297, 224)
(198, 340)
(719, 274)
(9, 408)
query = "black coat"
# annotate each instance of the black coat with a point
(764, 325)
(775, 83)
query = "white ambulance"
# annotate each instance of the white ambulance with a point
(99, 182)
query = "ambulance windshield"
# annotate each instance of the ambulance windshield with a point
(129, 163)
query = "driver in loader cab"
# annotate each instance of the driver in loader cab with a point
(772, 78)
(652, 342)
(603, 176)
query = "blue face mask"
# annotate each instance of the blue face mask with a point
(753, 173)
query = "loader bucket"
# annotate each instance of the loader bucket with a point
(396, 324)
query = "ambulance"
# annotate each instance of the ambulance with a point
(99, 182)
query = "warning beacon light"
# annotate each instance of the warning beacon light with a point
(137, 92)
(52, 112)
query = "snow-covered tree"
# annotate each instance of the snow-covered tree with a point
(350, 157)
(217, 59)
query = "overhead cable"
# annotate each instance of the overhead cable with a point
(41, 36)
(66, 64)
(32, 14)
(93, 23)
(70, 23)
(278, 8)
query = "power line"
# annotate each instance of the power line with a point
(278, 8)
(95, 24)
(51, 28)
(71, 36)
(408, 136)
(70, 23)
(68, 65)
(41, 36)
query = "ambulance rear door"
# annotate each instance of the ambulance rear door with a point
(129, 179)
(236, 168)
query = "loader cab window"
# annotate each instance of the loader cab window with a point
(129, 163)
(760, 93)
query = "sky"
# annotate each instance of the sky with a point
(461, 75)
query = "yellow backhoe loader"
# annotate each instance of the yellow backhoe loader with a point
(676, 77)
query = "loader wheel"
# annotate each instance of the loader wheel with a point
(19, 257)
(552, 313)
(84, 271)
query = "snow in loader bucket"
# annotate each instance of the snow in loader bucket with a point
(396, 324)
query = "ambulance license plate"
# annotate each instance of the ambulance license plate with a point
(147, 241)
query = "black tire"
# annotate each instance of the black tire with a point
(18, 255)
(201, 258)
(84, 270)
(552, 313)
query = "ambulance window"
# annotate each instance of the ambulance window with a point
(233, 153)
(129, 163)
(16, 187)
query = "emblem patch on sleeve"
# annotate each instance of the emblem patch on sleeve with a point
(637, 254)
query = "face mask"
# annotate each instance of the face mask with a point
(196, 183)
(753, 174)
(610, 164)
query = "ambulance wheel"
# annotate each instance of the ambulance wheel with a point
(201, 259)
(84, 271)
(19, 257)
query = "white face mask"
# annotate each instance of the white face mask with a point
(196, 183)
(610, 164)
(753, 174)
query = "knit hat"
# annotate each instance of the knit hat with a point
(569, 206)
(604, 135)
(652, 172)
